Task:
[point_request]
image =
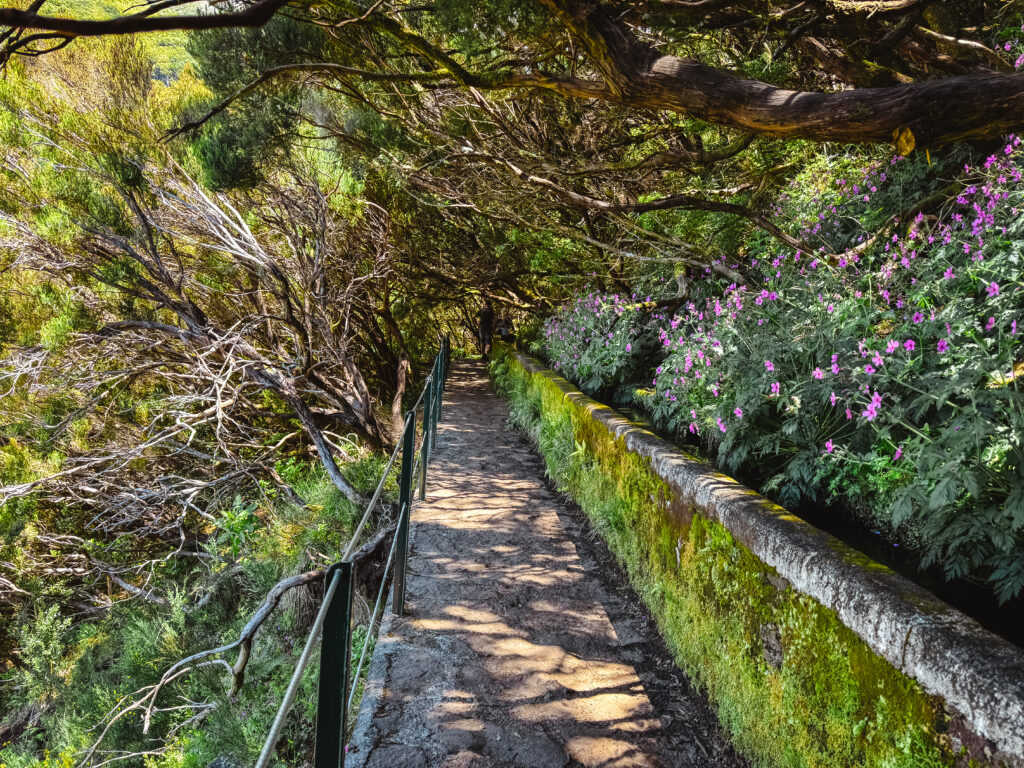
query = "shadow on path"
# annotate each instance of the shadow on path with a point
(507, 655)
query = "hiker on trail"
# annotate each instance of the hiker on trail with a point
(504, 328)
(486, 318)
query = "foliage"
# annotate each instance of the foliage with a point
(42, 644)
(885, 375)
(235, 527)
(375, 211)
(74, 676)
(601, 340)
(91, 612)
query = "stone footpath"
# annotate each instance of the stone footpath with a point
(512, 653)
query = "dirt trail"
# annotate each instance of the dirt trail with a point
(521, 646)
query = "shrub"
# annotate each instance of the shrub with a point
(601, 340)
(885, 375)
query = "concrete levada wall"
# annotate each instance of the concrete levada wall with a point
(813, 654)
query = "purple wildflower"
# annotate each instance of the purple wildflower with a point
(871, 412)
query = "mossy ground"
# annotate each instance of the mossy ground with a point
(825, 700)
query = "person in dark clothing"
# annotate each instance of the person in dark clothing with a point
(504, 329)
(486, 319)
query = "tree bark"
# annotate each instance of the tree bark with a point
(979, 106)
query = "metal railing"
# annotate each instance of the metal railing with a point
(333, 623)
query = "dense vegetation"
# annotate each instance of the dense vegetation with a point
(158, 468)
(226, 249)
(884, 376)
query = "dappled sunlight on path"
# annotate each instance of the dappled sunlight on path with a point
(506, 655)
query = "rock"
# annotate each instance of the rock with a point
(771, 645)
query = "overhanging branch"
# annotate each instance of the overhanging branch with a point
(254, 16)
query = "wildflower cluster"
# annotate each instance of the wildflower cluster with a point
(601, 339)
(881, 367)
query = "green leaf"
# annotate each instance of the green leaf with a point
(943, 493)
(901, 509)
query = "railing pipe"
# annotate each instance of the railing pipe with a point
(373, 619)
(289, 695)
(333, 622)
(430, 389)
(433, 406)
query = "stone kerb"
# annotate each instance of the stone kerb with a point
(976, 673)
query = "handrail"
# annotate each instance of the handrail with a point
(300, 667)
(335, 611)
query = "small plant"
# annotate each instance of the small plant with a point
(236, 527)
(42, 642)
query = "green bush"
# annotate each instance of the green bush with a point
(880, 367)
(73, 678)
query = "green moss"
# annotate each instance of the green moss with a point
(826, 700)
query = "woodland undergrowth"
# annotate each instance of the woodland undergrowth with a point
(70, 678)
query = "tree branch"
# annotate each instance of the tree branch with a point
(688, 202)
(936, 111)
(254, 16)
(334, 69)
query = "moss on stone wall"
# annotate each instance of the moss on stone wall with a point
(791, 684)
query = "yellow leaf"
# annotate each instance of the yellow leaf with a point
(904, 140)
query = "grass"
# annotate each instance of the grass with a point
(82, 672)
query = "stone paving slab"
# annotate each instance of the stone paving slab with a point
(506, 655)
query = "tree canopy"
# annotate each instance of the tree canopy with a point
(231, 232)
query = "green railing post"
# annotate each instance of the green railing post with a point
(336, 614)
(425, 434)
(335, 659)
(404, 510)
(439, 365)
(447, 357)
(443, 358)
